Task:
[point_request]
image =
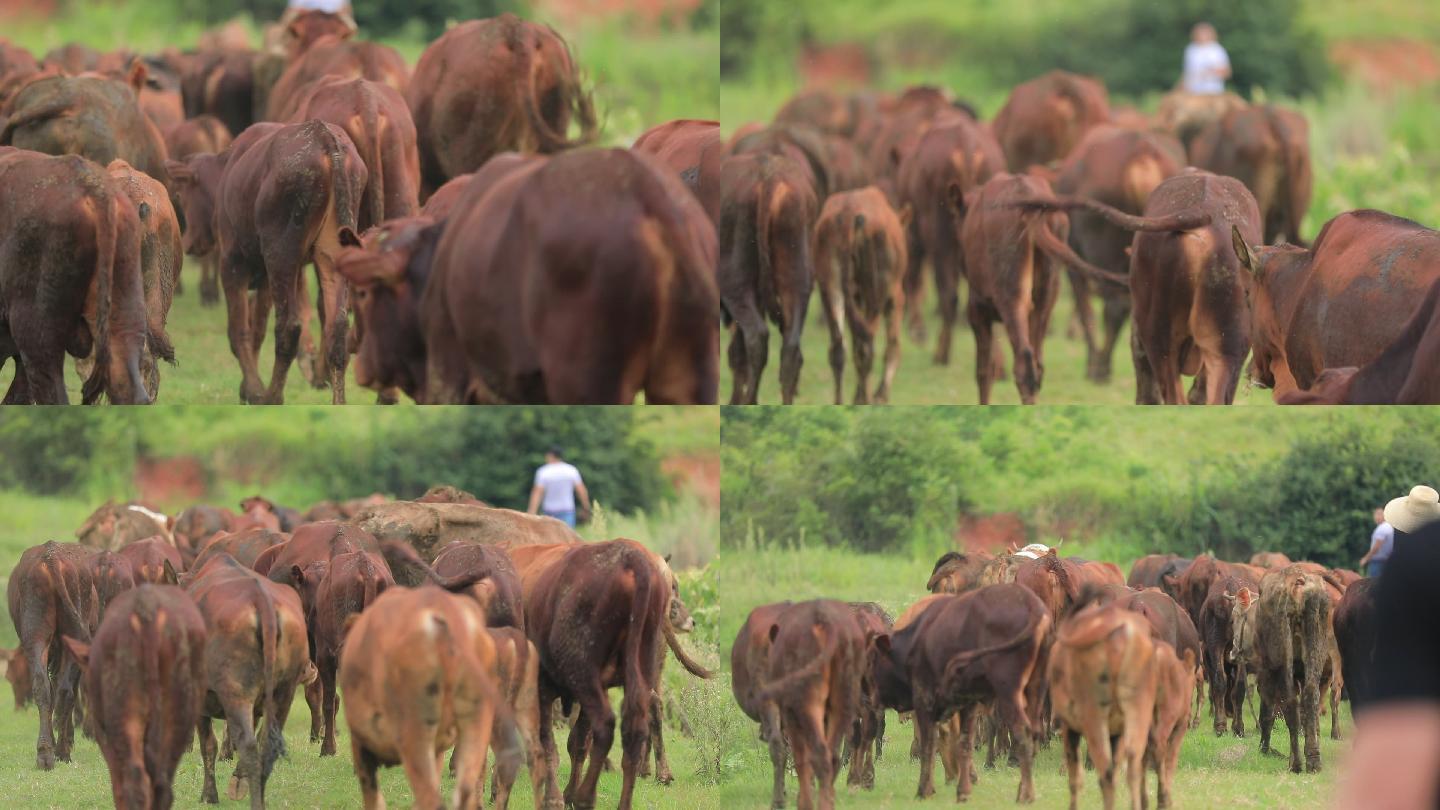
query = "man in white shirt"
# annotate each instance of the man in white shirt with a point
(330, 6)
(1207, 65)
(556, 485)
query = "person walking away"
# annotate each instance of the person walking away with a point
(1395, 763)
(1207, 65)
(1382, 540)
(557, 483)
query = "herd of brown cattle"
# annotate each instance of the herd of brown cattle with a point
(1175, 220)
(1010, 649)
(442, 623)
(573, 274)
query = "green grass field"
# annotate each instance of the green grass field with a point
(1213, 772)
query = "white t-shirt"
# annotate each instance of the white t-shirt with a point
(1201, 60)
(329, 6)
(558, 480)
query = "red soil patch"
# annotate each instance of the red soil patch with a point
(647, 14)
(1387, 63)
(993, 533)
(170, 480)
(844, 64)
(697, 474)
(10, 9)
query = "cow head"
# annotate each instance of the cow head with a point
(1263, 267)
(387, 270)
(307, 582)
(197, 184)
(1242, 625)
(17, 671)
(888, 674)
(100, 526)
(310, 27)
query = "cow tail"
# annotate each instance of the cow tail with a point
(1183, 221)
(766, 273)
(272, 745)
(1052, 246)
(367, 571)
(963, 659)
(80, 626)
(375, 185)
(106, 238)
(341, 193)
(641, 616)
(811, 669)
(571, 95)
(685, 660)
(35, 115)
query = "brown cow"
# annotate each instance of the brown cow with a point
(340, 58)
(16, 668)
(1293, 642)
(1010, 258)
(1224, 671)
(1355, 633)
(114, 525)
(1268, 149)
(415, 677)
(691, 149)
(957, 572)
(1192, 586)
(1269, 560)
(245, 546)
(144, 687)
(497, 588)
(816, 660)
(318, 541)
(1184, 114)
(1174, 688)
(271, 203)
(860, 259)
(597, 616)
(867, 733)
(1365, 268)
(493, 85)
(1103, 673)
(981, 646)
(196, 525)
(590, 222)
(516, 677)
(49, 595)
(1403, 374)
(203, 135)
(1146, 571)
(378, 123)
(82, 294)
(1118, 167)
(429, 527)
(72, 58)
(255, 655)
(311, 26)
(221, 83)
(1044, 118)
(767, 207)
(110, 575)
(749, 668)
(147, 560)
(161, 257)
(958, 153)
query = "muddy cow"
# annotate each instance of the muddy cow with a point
(1403, 374)
(1103, 673)
(597, 616)
(1196, 321)
(1184, 114)
(245, 546)
(1145, 572)
(1355, 636)
(804, 146)
(1268, 149)
(816, 660)
(859, 251)
(957, 572)
(1225, 671)
(82, 294)
(1192, 586)
(489, 86)
(984, 646)
(1365, 268)
(1269, 559)
(516, 677)
(1010, 261)
(1294, 667)
(379, 124)
(768, 205)
(959, 153)
(866, 738)
(147, 560)
(144, 679)
(161, 257)
(197, 524)
(749, 670)
(114, 525)
(221, 83)
(311, 26)
(272, 516)
(318, 541)
(255, 655)
(415, 678)
(270, 204)
(111, 575)
(1044, 118)
(50, 595)
(691, 149)
(203, 135)
(91, 116)
(556, 331)
(497, 587)
(1118, 167)
(1174, 688)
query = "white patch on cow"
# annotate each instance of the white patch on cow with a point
(1034, 551)
(155, 516)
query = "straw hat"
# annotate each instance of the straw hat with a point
(1413, 511)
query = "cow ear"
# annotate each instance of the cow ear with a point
(895, 156)
(169, 577)
(80, 650)
(1244, 597)
(348, 237)
(297, 574)
(138, 74)
(1170, 579)
(955, 197)
(667, 558)
(774, 631)
(179, 170)
(1243, 253)
(1229, 597)
(882, 643)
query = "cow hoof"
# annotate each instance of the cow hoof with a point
(45, 760)
(209, 796)
(1312, 767)
(665, 778)
(237, 789)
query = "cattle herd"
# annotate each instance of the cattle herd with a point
(439, 624)
(572, 273)
(1186, 223)
(1007, 651)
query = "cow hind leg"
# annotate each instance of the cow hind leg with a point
(1117, 312)
(1076, 777)
(40, 686)
(242, 343)
(335, 304)
(417, 756)
(286, 293)
(981, 324)
(602, 737)
(367, 771)
(771, 731)
(832, 301)
(330, 707)
(470, 750)
(65, 708)
(315, 702)
(663, 774)
(208, 750)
